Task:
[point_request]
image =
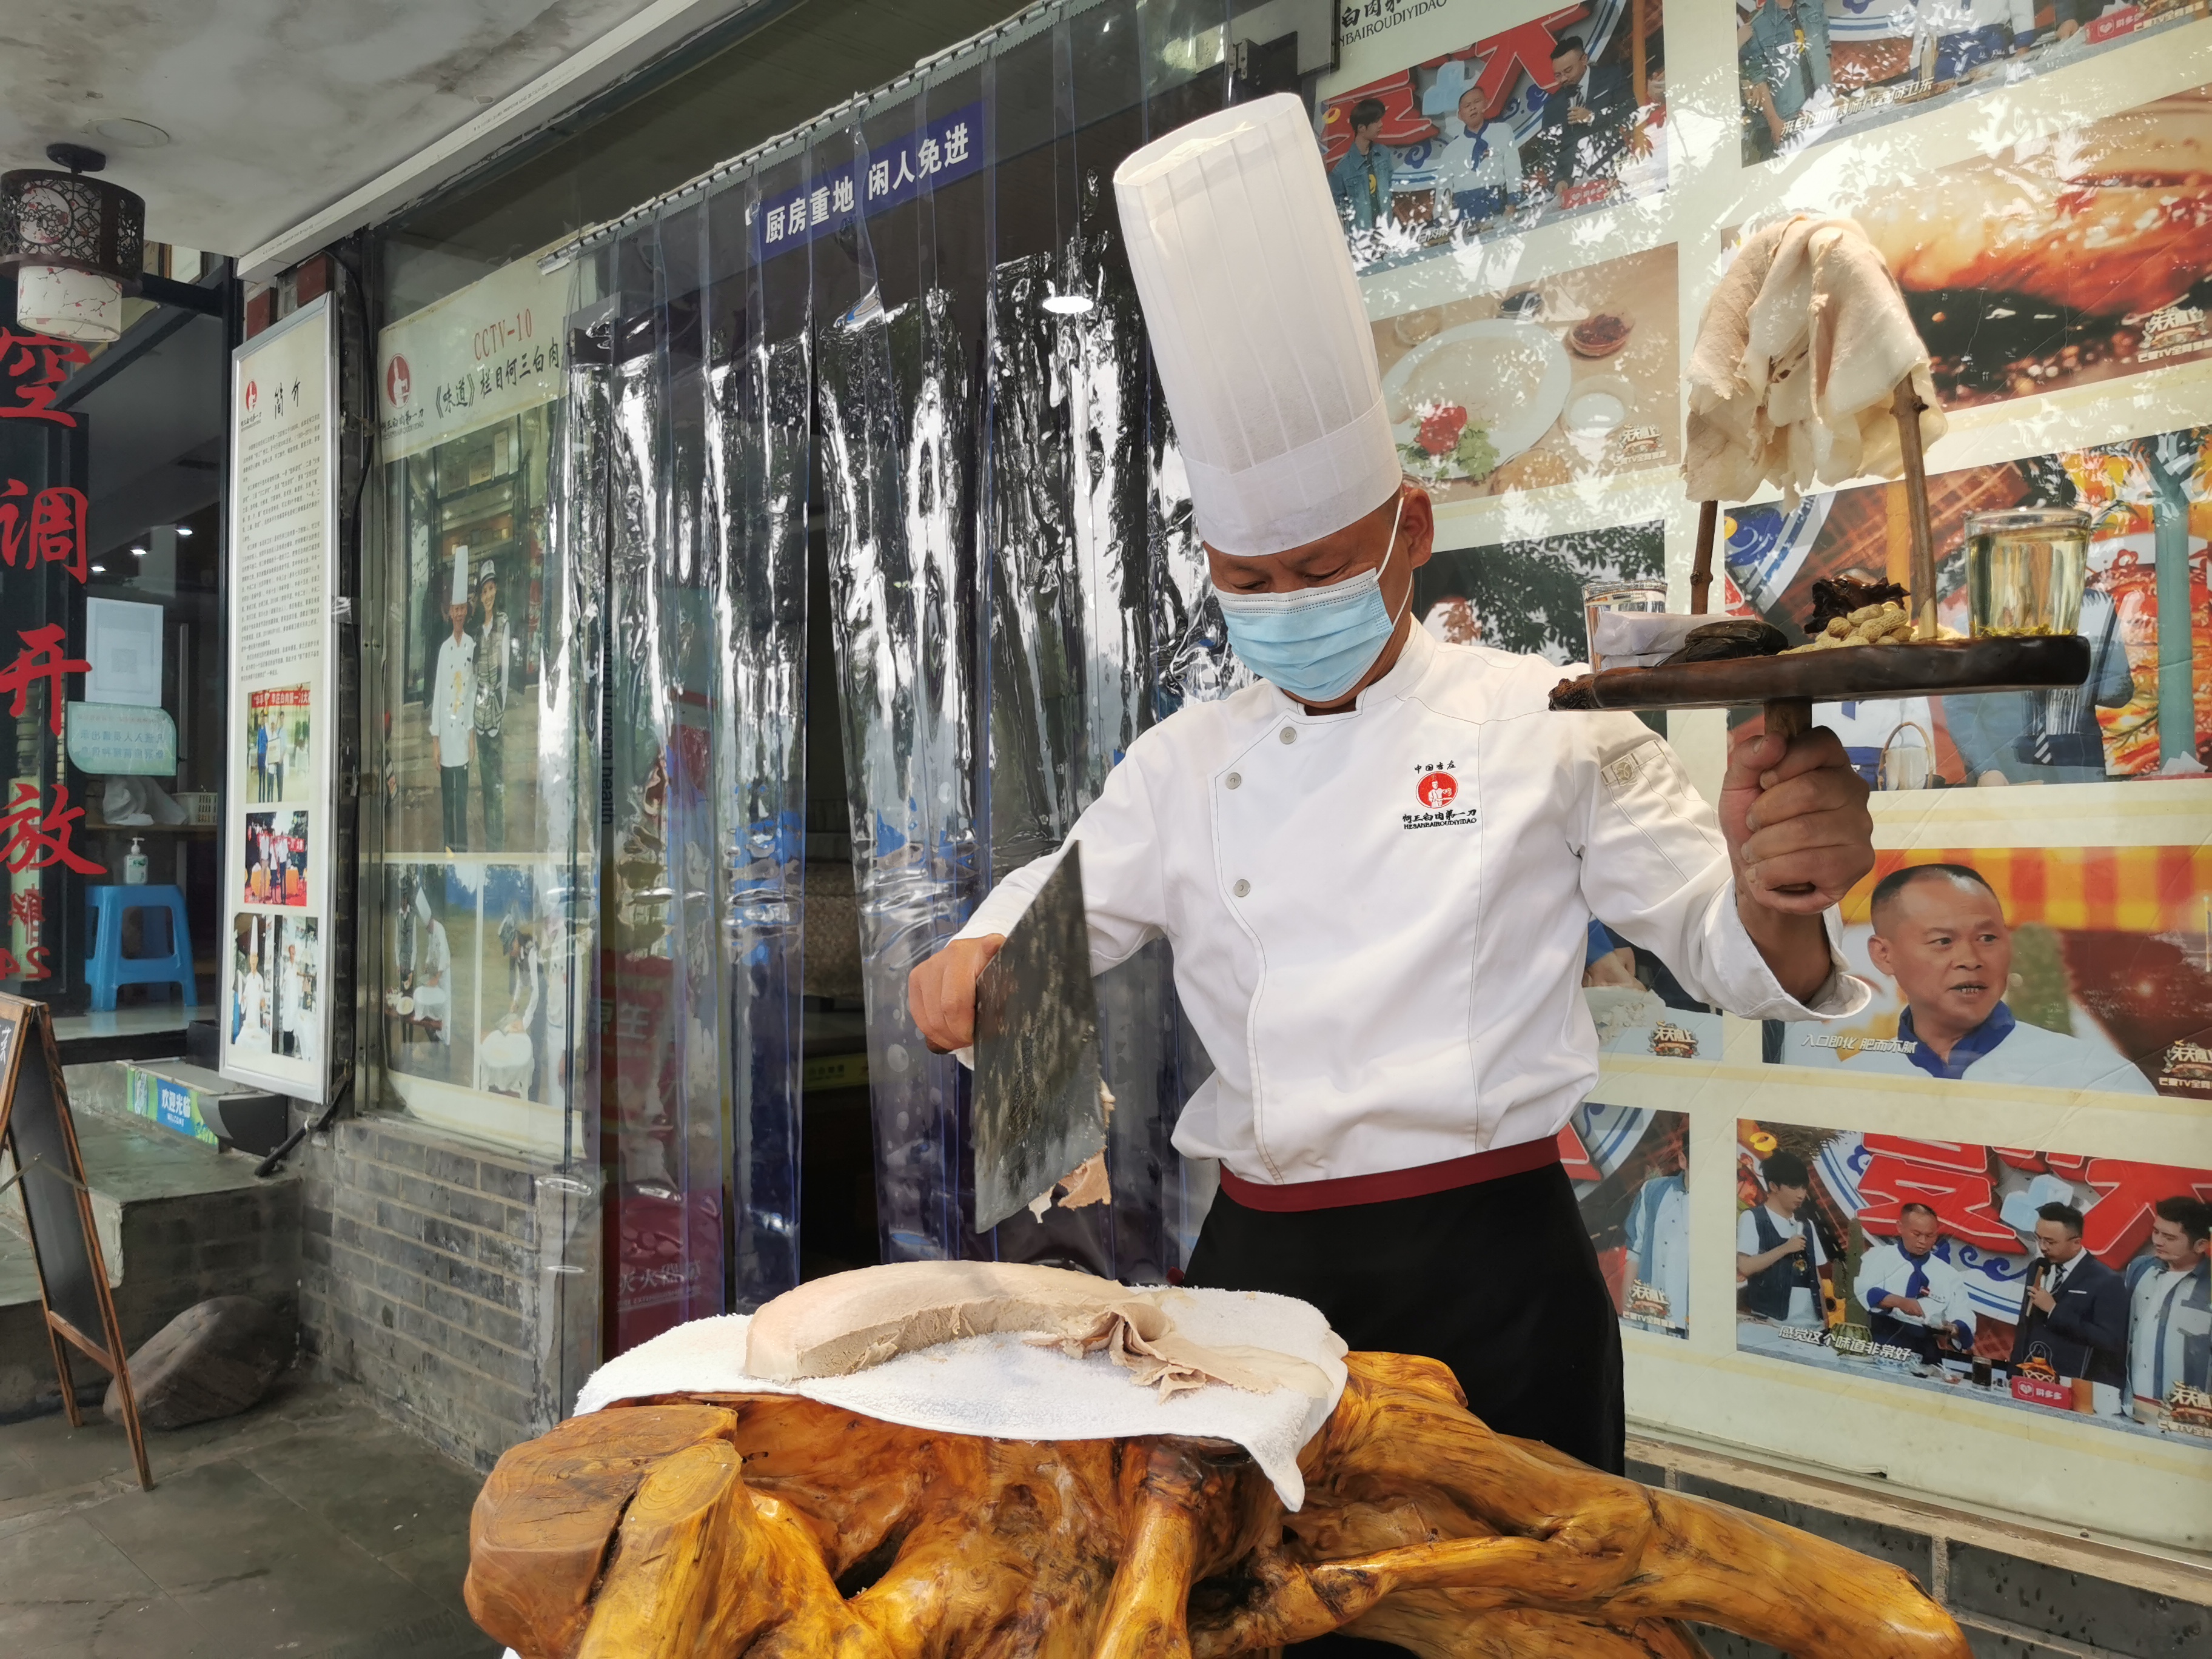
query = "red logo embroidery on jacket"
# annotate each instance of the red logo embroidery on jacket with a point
(1436, 790)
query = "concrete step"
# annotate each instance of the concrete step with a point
(179, 1222)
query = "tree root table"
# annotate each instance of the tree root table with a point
(777, 1527)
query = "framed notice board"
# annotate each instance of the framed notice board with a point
(39, 1139)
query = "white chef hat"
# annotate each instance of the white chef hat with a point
(1262, 344)
(460, 577)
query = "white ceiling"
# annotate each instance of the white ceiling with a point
(275, 109)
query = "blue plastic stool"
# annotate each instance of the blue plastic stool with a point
(107, 967)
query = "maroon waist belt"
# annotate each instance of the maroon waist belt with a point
(1416, 1183)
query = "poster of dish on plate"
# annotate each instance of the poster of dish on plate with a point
(2074, 968)
(1811, 70)
(2078, 256)
(2016, 1279)
(1451, 120)
(1631, 1182)
(1572, 376)
(2146, 709)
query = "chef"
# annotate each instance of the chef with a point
(1378, 865)
(1914, 1298)
(452, 703)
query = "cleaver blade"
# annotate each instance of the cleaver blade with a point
(1037, 1115)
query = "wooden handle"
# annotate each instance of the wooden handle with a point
(1701, 572)
(1788, 718)
(1907, 407)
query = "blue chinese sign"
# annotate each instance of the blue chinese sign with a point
(948, 147)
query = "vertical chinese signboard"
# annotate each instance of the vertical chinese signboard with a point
(279, 829)
(43, 569)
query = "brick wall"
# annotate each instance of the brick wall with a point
(422, 1280)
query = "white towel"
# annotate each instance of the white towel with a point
(1798, 356)
(1003, 1389)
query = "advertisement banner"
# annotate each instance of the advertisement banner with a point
(281, 578)
(2015, 1279)
(1440, 128)
(483, 355)
(2036, 967)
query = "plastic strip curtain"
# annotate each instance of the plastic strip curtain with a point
(1000, 503)
(892, 400)
(662, 1043)
(759, 390)
(568, 1210)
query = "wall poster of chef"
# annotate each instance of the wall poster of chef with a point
(2088, 259)
(1439, 127)
(2032, 1280)
(432, 971)
(472, 986)
(1631, 1179)
(2034, 967)
(1811, 70)
(2150, 506)
(1564, 378)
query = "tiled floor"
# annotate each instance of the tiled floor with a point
(308, 1529)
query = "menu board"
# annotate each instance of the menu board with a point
(278, 828)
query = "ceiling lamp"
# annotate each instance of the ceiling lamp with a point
(73, 244)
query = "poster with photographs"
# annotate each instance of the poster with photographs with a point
(276, 858)
(2029, 1280)
(1810, 71)
(280, 582)
(2146, 709)
(1631, 1170)
(276, 976)
(1527, 596)
(275, 743)
(2070, 258)
(1453, 121)
(477, 994)
(1572, 377)
(2053, 968)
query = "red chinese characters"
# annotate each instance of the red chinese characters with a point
(1950, 1178)
(32, 839)
(44, 657)
(48, 528)
(32, 370)
(2118, 1225)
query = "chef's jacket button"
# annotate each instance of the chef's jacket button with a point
(1290, 734)
(1240, 889)
(1236, 780)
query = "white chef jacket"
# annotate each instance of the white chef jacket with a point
(1659, 1240)
(1387, 978)
(255, 1034)
(1943, 1303)
(453, 698)
(2158, 1333)
(434, 1000)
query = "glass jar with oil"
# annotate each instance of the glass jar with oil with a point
(2025, 570)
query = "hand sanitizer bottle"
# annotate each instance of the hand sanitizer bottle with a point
(134, 865)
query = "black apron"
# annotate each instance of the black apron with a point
(1499, 1280)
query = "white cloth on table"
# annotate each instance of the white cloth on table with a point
(1003, 1389)
(1798, 356)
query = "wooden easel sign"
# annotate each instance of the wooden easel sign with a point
(38, 1134)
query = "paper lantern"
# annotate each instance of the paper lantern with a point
(76, 246)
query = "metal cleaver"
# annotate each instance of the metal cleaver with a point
(1037, 1112)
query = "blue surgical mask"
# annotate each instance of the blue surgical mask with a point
(1315, 643)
